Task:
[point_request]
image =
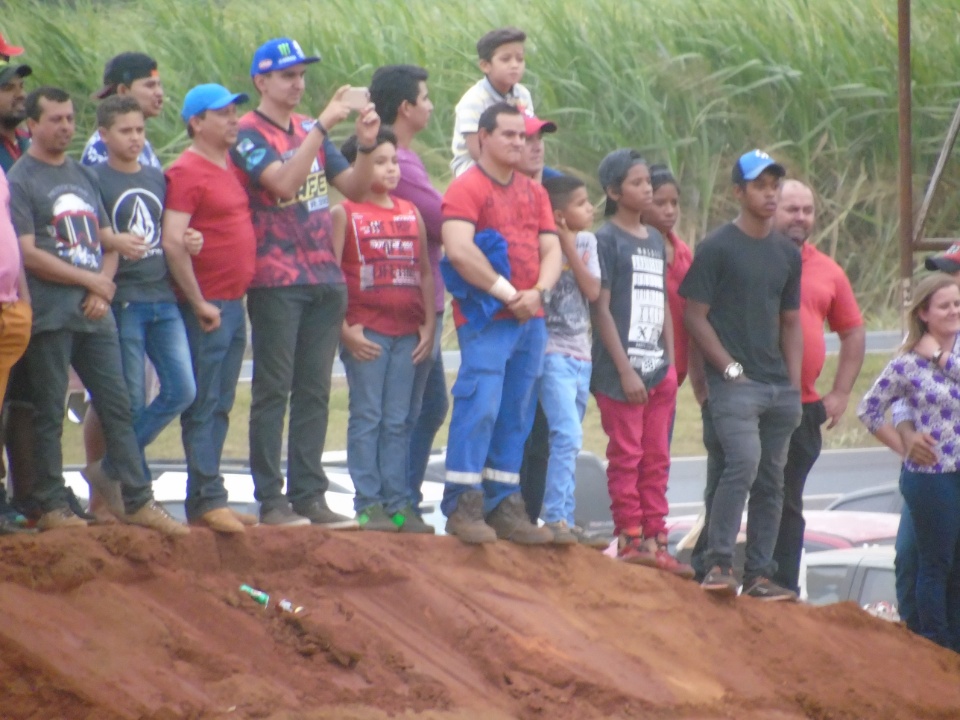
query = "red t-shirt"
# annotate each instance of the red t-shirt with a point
(519, 210)
(381, 262)
(676, 271)
(825, 295)
(294, 244)
(218, 208)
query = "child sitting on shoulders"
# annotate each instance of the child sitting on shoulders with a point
(501, 54)
(381, 245)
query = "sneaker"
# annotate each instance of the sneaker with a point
(510, 521)
(59, 518)
(763, 589)
(375, 519)
(668, 563)
(562, 535)
(282, 516)
(107, 488)
(318, 513)
(76, 507)
(152, 515)
(408, 521)
(720, 581)
(14, 524)
(245, 518)
(634, 549)
(220, 520)
(588, 539)
(466, 522)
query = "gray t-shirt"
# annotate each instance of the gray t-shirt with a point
(568, 312)
(134, 204)
(60, 206)
(634, 271)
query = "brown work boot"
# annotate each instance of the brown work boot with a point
(466, 522)
(220, 520)
(108, 489)
(60, 518)
(153, 516)
(510, 521)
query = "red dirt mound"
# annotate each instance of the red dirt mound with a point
(116, 622)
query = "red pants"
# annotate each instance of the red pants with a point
(16, 319)
(639, 456)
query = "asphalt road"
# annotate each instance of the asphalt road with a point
(878, 341)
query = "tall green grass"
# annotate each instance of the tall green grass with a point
(690, 82)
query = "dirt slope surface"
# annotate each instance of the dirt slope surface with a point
(116, 622)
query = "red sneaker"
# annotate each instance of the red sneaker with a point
(668, 563)
(632, 548)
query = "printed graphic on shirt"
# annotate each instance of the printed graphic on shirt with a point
(139, 207)
(313, 193)
(646, 311)
(387, 250)
(75, 225)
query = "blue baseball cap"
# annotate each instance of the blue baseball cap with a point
(277, 54)
(752, 164)
(209, 97)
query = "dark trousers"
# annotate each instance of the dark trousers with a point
(805, 445)
(96, 358)
(715, 462)
(905, 565)
(295, 335)
(533, 472)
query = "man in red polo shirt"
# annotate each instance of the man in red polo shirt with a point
(297, 299)
(825, 296)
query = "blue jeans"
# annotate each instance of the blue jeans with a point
(427, 415)
(493, 405)
(154, 330)
(753, 422)
(217, 358)
(378, 436)
(564, 390)
(934, 503)
(905, 566)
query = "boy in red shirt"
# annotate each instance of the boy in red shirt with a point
(381, 243)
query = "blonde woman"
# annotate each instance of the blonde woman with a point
(925, 377)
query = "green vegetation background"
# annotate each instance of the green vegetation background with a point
(689, 82)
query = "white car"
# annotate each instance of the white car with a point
(863, 575)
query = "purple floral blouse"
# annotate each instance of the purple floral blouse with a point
(925, 394)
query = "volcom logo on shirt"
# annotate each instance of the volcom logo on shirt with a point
(137, 211)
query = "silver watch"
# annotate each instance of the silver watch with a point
(733, 371)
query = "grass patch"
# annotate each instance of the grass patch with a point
(849, 433)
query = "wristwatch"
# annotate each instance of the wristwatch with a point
(545, 293)
(733, 371)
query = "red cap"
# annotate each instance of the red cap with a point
(535, 125)
(9, 50)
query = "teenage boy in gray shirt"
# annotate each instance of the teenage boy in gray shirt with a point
(59, 218)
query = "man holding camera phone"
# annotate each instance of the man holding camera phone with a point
(297, 299)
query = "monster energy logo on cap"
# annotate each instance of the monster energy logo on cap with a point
(279, 52)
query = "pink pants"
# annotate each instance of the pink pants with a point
(639, 456)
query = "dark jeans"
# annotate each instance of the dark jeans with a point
(96, 358)
(715, 461)
(753, 422)
(533, 472)
(296, 332)
(426, 416)
(217, 358)
(905, 565)
(805, 445)
(934, 502)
